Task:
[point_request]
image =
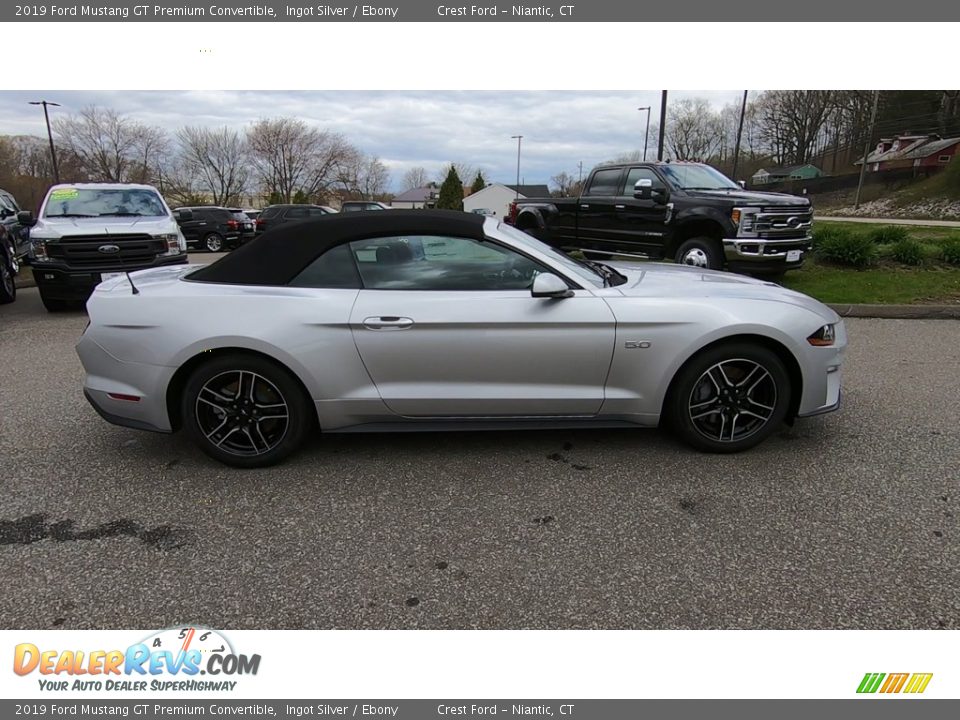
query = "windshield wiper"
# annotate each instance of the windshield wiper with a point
(121, 214)
(70, 215)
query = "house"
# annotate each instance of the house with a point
(497, 197)
(764, 176)
(417, 198)
(911, 151)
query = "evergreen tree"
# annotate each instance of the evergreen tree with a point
(478, 183)
(451, 192)
(300, 198)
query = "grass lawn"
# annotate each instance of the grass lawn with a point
(887, 285)
(921, 233)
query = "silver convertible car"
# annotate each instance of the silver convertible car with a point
(431, 320)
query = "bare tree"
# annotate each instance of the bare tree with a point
(364, 177)
(415, 177)
(794, 121)
(465, 171)
(217, 159)
(563, 182)
(111, 147)
(694, 130)
(292, 157)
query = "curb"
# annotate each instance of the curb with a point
(903, 312)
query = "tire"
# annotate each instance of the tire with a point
(532, 230)
(219, 417)
(8, 284)
(53, 305)
(703, 252)
(213, 242)
(716, 389)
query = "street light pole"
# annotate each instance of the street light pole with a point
(663, 123)
(53, 152)
(518, 138)
(646, 133)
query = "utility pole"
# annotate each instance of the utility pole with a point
(663, 122)
(53, 151)
(866, 148)
(579, 172)
(519, 139)
(646, 133)
(736, 149)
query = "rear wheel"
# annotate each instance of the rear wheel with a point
(729, 398)
(702, 252)
(213, 242)
(245, 411)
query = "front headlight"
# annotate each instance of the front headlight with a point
(38, 250)
(172, 240)
(824, 337)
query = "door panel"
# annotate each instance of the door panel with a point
(596, 216)
(639, 225)
(484, 353)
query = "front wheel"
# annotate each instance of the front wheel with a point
(245, 411)
(8, 285)
(702, 252)
(729, 398)
(213, 242)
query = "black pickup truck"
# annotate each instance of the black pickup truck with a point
(683, 211)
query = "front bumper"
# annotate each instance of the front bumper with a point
(59, 282)
(762, 254)
(822, 369)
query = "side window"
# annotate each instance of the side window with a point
(640, 173)
(604, 183)
(441, 263)
(296, 213)
(316, 212)
(334, 269)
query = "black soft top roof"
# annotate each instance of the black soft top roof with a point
(279, 255)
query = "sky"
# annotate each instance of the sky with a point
(405, 129)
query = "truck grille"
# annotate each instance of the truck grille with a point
(83, 251)
(782, 222)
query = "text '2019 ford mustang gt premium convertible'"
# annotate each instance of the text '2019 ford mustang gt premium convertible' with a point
(432, 320)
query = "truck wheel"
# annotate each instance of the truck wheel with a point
(53, 304)
(702, 252)
(213, 242)
(8, 287)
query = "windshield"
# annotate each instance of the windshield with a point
(100, 202)
(580, 268)
(697, 177)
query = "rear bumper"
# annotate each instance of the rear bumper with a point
(61, 283)
(759, 254)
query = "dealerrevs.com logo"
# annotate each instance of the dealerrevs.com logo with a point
(884, 683)
(178, 659)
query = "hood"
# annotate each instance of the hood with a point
(750, 197)
(683, 281)
(54, 227)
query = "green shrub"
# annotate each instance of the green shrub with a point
(888, 234)
(827, 232)
(951, 250)
(846, 248)
(907, 251)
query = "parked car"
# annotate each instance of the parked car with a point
(355, 205)
(687, 212)
(428, 320)
(215, 229)
(13, 246)
(275, 215)
(90, 232)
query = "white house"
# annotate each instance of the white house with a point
(497, 197)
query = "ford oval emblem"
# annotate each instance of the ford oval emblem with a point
(109, 249)
(793, 222)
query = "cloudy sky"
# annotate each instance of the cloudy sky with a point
(404, 129)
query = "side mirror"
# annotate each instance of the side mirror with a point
(550, 286)
(644, 190)
(742, 183)
(25, 217)
(183, 215)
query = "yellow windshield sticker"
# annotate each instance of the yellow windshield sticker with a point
(64, 194)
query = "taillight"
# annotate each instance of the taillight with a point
(259, 222)
(232, 224)
(512, 215)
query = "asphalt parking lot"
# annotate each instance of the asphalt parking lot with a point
(843, 521)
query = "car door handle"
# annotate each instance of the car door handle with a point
(585, 207)
(388, 322)
(620, 207)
